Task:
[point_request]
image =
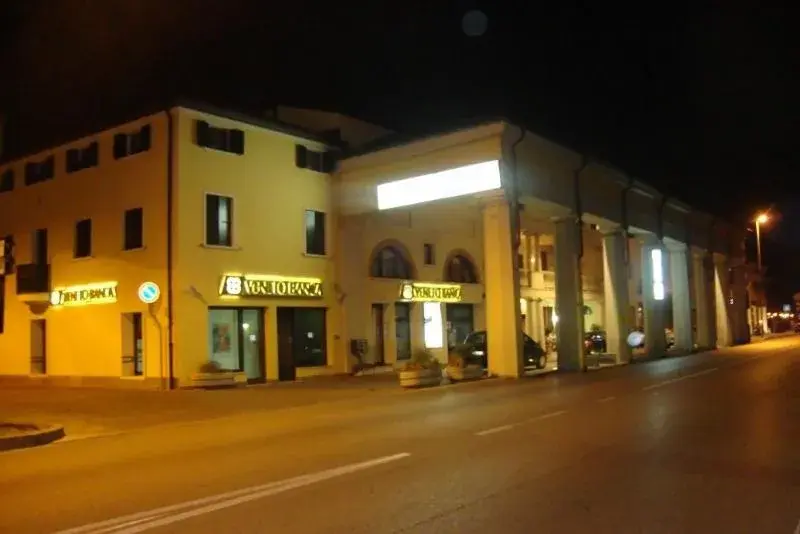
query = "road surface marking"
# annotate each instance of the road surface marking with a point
(797, 528)
(547, 415)
(494, 430)
(139, 522)
(606, 399)
(678, 379)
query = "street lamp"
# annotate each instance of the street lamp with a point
(761, 219)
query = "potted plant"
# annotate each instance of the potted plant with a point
(211, 375)
(422, 370)
(462, 365)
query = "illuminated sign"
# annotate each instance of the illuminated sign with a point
(658, 274)
(425, 292)
(457, 182)
(99, 293)
(266, 286)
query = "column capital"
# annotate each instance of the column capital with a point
(699, 253)
(613, 231)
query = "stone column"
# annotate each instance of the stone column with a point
(681, 303)
(536, 252)
(617, 295)
(738, 306)
(538, 322)
(721, 299)
(653, 295)
(501, 283)
(704, 335)
(569, 296)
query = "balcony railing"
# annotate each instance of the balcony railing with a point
(33, 278)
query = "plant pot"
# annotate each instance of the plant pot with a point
(468, 372)
(420, 378)
(214, 380)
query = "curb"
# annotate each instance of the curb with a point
(33, 438)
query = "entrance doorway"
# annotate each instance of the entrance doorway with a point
(460, 318)
(302, 340)
(132, 344)
(38, 346)
(402, 314)
(377, 321)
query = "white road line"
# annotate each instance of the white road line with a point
(797, 528)
(679, 379)
(547, 415)
(139, 522)
(494, 430)
(606, 399)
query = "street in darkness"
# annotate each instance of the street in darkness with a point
(704, 443)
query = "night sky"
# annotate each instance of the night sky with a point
(700, 102)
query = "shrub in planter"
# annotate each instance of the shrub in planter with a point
(209, 367)
(211, 375)
(462, 365)
(423, 369)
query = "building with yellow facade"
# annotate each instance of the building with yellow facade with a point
(282, 248)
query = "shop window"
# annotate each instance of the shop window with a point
(389, 262)
(315, 233)
(430, 256)
(219, 220)
(236, 340)
(309, 340)
(83, 239)
(461, 270)
(134, 229)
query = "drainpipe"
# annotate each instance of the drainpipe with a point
(624, 220)
(576, 185)
(170, 257)
(517, 220)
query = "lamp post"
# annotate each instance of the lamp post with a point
(761, 219)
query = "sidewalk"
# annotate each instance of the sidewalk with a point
(89, 411)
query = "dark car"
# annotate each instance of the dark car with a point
(533, 353)
(594, 342)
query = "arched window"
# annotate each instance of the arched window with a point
(389, 262)
(461, 270)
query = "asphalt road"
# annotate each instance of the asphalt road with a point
(705, 443)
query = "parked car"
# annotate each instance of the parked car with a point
(594, 342)
(533, 353)
(669, 337)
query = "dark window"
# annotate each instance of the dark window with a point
(39, 246)
(128, 144)
(315, 161)
(543, 260)
(41, 171)
(430, 257)
(389, 262)
(83, 239)
(460, 269)
(219, 220)
(7, 181)
(224, 139)
(315, 232)
(82, 158)
(134, 229)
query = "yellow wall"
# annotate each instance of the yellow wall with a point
(449, 226)
(82, 341)
(270, 197)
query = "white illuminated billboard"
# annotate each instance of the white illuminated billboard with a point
(475, 178)
(658, 274)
